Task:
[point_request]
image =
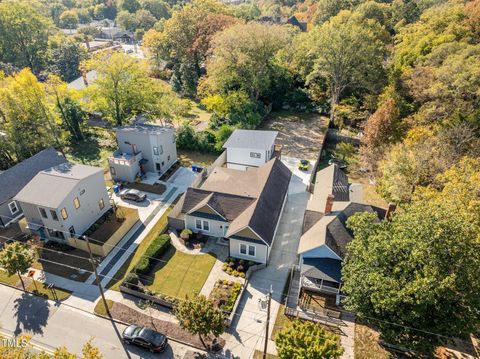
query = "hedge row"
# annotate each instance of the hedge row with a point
(155, 250)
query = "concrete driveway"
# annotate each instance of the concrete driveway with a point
(300, 179)
(247, 330)
(144, 208)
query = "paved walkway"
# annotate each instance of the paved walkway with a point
(247, 331)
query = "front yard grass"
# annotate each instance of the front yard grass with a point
(127, 267)
(10, 280)
(41, 288)
(100, 307)
(178, 274)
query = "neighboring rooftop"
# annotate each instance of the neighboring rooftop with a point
(16, 177)
(79, 83)
(50, 187)
(253, 139)
(145, 128)
(252, 198)
(331, 228)
(330, 180)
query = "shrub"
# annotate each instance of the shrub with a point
(242, 275)
(240, 268)
(186, 233)
(241, 262)
(229, 270)
(155, 250)
(131, 280)
(251, 263)
(225, 266)
(235, 273)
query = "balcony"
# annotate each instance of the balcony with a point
(320, 285)
(124, 159)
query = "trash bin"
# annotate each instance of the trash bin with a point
(116, 188)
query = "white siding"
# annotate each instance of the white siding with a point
(216, 228)
(241, 156)
(260, 251)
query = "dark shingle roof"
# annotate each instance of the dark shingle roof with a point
(338, 235)
(323, 268)
(260, 212)
(17, 177)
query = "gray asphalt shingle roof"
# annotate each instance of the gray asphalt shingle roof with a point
(15, 178)
(323, 268)
(254, 139)
(50, 187)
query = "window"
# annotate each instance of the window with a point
(243, 248)
(251, 251)
(255, 155)
(168, 158)
(101, 204)
(43, 213)
(72, 231)
(157, 166)
(163, 163)
(198, 224)
(112, 171)
(13, 207)
(82, 192)
(206, 226)
(54, 215)
(64, 213)
(76, 203)
(161, 149)
(155, 151)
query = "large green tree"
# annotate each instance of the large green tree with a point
(345, 53)
(307, 340)
(416, 275)
(24, 35)
(122, 89)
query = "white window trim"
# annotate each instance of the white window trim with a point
(16, 207)
(254, 251)
(197, 224)
(208, 225)
(155, 151)
(246, 249)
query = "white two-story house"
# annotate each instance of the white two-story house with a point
(251, 148)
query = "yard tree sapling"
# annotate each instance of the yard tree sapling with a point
(198, 315)
(17, 258)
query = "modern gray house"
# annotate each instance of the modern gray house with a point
(251, 148)
(15, 178)
(64, 201)
(142, 148)
(242, 206)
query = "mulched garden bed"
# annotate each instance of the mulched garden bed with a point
(225, 294)
(126, 314)
(237, 267)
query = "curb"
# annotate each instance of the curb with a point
(168, 337)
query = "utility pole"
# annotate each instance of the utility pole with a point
(99, 282)
(269, 299)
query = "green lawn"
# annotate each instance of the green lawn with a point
(100, 308)
(5, 278)
(157, 229)
(61, 294)
(182, 274)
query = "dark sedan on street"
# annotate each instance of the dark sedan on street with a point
(133, 195)
(145, 338)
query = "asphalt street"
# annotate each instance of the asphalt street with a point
(52, 325)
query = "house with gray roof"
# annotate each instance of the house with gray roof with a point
(142, 148)
(323, 244)
(62, 202)
(15, 178)
(251, 148)
(242, 206)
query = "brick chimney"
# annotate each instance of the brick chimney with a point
(390, 211)
(329, 203)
